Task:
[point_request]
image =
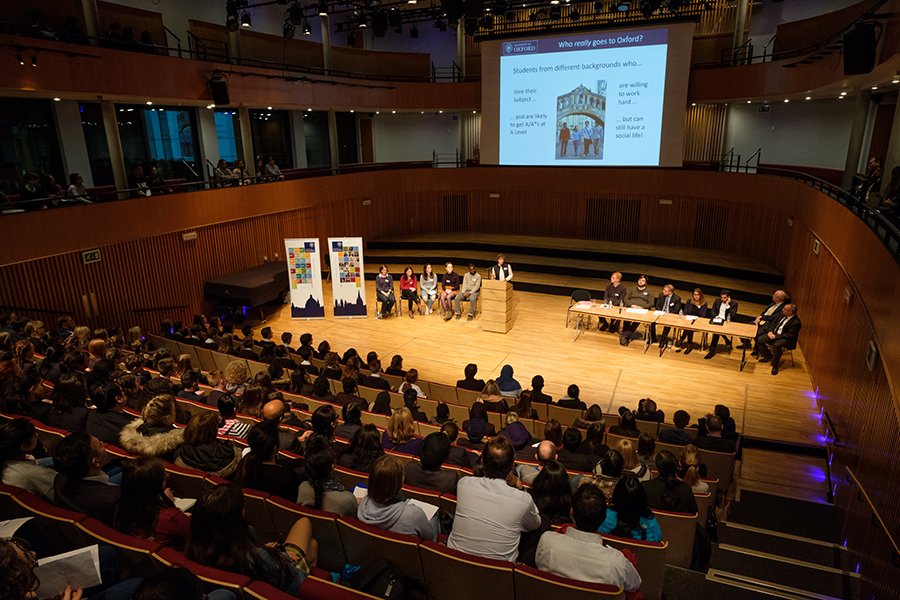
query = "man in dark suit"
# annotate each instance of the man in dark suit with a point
(713, 439)
(470, 383)
(668, 302)
(572, 400)
(375, 380)
(428, 473)
(679, 435)
(783, 334)
(81, 485)
(569, 456)
(723, 308)
(306, 353)
(537, 391)
(350, 394)
(771, 313)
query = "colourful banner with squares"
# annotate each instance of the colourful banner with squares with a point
(348, 279)
(305, 277)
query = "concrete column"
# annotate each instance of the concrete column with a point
(740, 22)
(298, 139)
(247, 141)
(326, 42)
(333, 140)
(857, 133)
(209, 141)
(461, 49)
(116, 154)
(91, 21)
(892, 159)
(233, 43)
(71, 142)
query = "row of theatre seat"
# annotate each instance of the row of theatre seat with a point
(445, 572)
(720, 466)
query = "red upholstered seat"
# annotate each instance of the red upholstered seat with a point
(136, 553)
(313, 588)
(651, 562)
(451, 575)
(533, 584)
(58, 527)
(324, 524)
(365, 544)
(186, 482)
(210, 577)
(256, 511)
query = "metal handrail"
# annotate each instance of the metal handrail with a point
(755, 155)
(177, 39)
(862, 494)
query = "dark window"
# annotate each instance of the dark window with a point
(28, 143)
(97, 145)
(161, 136)
(271, 134)
(347, 139)
(315, 133)
(228, 132)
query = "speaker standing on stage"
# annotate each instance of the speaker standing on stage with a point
(501, 270)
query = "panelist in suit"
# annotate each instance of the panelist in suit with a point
(501, 270)
(723, 308)
(772, 313)
(783, 334)
(614, 295)
(697, 307)
(636, 297)
(668, 302)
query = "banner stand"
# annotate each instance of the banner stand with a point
(305, 277)
(348, 277)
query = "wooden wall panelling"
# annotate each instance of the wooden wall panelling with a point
(138, 19)
(704, 132)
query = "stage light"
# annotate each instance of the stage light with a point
(323, 8)
(808, 98)
(245, 20)
(307, 28)
(19, 58)
(34, 59)
(58, 99)
(622, 5)
(287, 30)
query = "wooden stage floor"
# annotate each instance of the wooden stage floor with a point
(779, 408)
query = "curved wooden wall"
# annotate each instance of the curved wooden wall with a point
(846, 293)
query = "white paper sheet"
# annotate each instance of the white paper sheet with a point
(429, 509)
(78, 568)
(9, 528)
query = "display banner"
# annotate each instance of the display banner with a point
(305, 274)
(347, 276)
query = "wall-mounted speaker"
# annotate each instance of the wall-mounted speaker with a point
(218, 87)
(859, 49)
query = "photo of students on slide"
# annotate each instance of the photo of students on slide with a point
(580, 123)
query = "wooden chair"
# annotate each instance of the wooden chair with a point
(370, 394)
(566, 416)
(458, 413)
(451, 575)
(466, 397)
(612, 439)
(691, 431)
(532, 584)
(351, 478)
(422, 494)
(427, 428)
(719, 465)
(443, 393)
(257, 367)
(679, 529)
(651, 427)
(394, 380)
(186, 482)
(448, 504)
(651, 560)
(191, 351)
(324, 524)
(365, 544)
(256, 511)
(705, 501)
(206, 358)
(222, 360)
(379, 421)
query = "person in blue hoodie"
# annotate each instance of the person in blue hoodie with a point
(386, 508)
(509, 387)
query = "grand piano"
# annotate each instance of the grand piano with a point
(252, 287)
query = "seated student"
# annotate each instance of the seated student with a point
(689, 469)
(222, 538)
(647, 411)
(228, 423)
(306, 353)
(509, 387)
(537, 391)
(286, 339)
(491, 399)
(321, 389)
(476, 430)
(190, 387)
(322, 490)
(351, 414)
(382, 404)
(81, 485)
(350, 394)
(524, 407)
(468, 292)
(375, 380)
(107, 421)
(281, 359)
(400, 435)
(457, 456)
(544, 454)
(69, 410)
(146, 508)
(154, 434)
(729, 427)
(631, 462)
(385, 507)
(18, 439)
(593, 444)
(411, 401)
(478, 412)
(470, 383)
(396, 369)
(516, 433)
(441, 414)
(579, 552)
(428, 473)
(408, 291)
(572, 400)
(632, 516)
(202, 450)
(306, 341)
(608, 472)
(594, 414)
(665, 491)
(646, 449)
(713, 439)
(384, 292)
(332, 368)
(247, 350)
(679, 435)
(450, 283)
(259, 468)
(627, 425)
(569, 456)
(364, 448)
(490, 515)
(551, 491)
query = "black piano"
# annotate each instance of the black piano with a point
(252, 287)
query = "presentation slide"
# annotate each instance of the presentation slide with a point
(587, 99)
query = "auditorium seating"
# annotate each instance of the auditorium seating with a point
(651, 562)
(679, 530)
(451, 574)
(364, 543)
(533, 584)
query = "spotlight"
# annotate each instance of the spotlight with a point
(34, 59)
(245, 20)
(621, 6)
(19, 58)
(287, 30)
(323, 8)
(307, 30)
(414, 32)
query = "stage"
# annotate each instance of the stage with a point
(778, 409)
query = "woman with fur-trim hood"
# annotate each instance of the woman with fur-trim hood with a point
(154, 434)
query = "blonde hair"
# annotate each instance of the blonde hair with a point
(401, 427)
(97, 348)
(629, 454)
(690, 463)
(135, 334)
(511, 417)
(82, 333)
(490, 389)
(332, 361)
(215, 377)
(184, 364)
(226, 343)
(158, 409)
(236, 372)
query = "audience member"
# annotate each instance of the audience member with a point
(552, 493)
(458, 456)
(508, 385)
(202, 450)
(579, 552)
(689, 469)
(349, 394)
(69, 410)
(570, 457)
(544, 454)
(608, 472)
(713, 439)
(647, 411)
(146, 508)
(396, 368)
(400, 435)
(323, 490)
(410, 382)
(382, 404)
(228, 424)
(375, 380)
(491, 515)
(537, 391)
(627, 425)
(632, 516)
(427, 472)
(364, 448)
(384, 506)
(351, 413)
(665, 491)
(646, 449)
(631, 463)
(154, 434)
(109, 417)
(410, 401)
(571, 400)
(81, 485)
(679, 434)
(18, 439)
(259, 468)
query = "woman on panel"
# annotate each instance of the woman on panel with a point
(429, 288)
(449, 288)
(384, 289)
(697, 307)
(408, 284)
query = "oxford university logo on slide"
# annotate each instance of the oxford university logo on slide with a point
(507, 48)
